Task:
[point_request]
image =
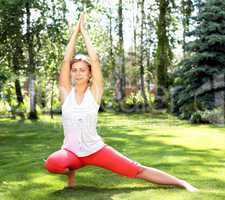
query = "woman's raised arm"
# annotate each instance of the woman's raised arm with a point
(64, 77)
(97, 77)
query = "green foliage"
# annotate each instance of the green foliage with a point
(208, 116)
(8, 102)
(201, 75)
(133, 102)
(196, 118)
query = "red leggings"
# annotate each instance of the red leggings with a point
(107, 157)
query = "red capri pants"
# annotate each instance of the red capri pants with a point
(107, 157)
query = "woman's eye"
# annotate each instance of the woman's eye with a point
(75, 70)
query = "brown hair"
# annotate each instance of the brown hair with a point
(82, 58)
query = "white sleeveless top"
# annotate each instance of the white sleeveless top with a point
(79, 124)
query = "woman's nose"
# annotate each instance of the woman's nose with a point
(78, 72)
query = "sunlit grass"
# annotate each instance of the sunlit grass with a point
(191, 152)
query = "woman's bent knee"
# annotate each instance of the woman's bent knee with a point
(54, 166)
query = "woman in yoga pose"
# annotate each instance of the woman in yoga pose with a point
(80, 103)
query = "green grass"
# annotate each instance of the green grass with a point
(191, 152)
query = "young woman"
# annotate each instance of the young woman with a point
(82, 145)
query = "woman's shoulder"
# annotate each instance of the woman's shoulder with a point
(64, 93)
(96, 94)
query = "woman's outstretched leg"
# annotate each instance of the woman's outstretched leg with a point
(159, 177)
(109, 158)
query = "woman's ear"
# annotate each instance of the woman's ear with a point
(90, 80)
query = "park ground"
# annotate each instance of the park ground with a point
(191, 152)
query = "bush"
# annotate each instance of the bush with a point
(133, 103)
(196, 118)
(208, 116)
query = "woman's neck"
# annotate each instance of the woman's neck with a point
(80, 89)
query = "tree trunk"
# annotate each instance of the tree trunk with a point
(141, 59)
(121, 51)
(112, 60)
(135, 21)
(31, 69)
(186, 10)
(15, 68)
(52, 95)
(162, 56)
(19, 95)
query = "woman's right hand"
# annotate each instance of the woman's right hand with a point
(77, 27)
(82, 27)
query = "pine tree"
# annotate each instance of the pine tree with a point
(200, 78)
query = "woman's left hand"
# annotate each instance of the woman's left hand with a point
(82, 26)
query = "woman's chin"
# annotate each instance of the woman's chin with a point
(81, 81)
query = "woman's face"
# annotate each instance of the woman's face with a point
(80, 72)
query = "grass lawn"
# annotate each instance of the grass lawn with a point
(195, 153)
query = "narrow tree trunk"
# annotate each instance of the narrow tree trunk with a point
(52, 95)
(121, 51)
(162, 56)
(141, 58)
(186, 10)
(149, 78)
(15, 68)
(112, 60)
(9, 91)
(114, 75)
(33, 112)
(135, 22)
(31, 68)
(9, 100)
(19, 95)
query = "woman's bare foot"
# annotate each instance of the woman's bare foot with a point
(71, 179)
(188, 186)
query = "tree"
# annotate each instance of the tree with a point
(11, 38)
(164, 53)
(187, 8)
(53, 42)
(142, 56)
(201, 76)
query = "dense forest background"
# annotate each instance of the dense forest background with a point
(161, 55)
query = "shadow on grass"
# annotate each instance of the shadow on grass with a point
(86, 192)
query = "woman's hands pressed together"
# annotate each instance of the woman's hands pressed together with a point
(77, 27)
(80, 27)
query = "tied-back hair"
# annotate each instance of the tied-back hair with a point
(81, 57)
